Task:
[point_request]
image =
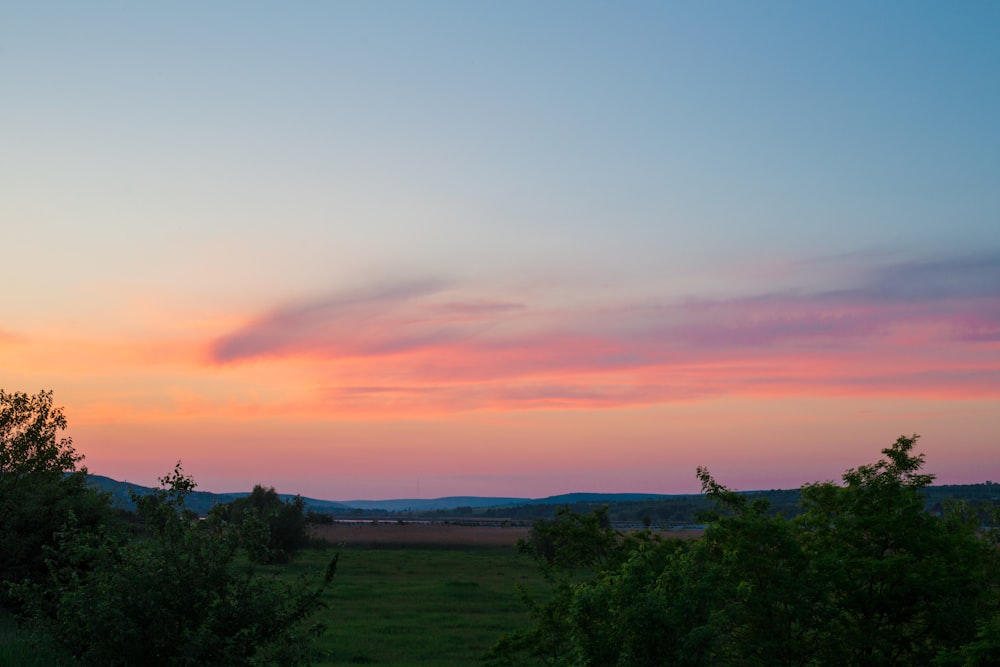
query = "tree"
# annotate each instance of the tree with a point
(900, 584)
(41, 487)
(180, 591)
(865, 576)
(569, 549)
(197, 582)
(733, 597)
(286, 520)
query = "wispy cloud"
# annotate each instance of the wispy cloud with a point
(906, 327)
(474, 310)
(353, 323)
(932, 280)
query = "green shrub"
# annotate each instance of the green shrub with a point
(286, 521)
(169, 590)
(188, 592)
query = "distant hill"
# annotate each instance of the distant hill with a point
(574, 498)
(430, 505)
(199, 501)
(202, 501)
(625, 508)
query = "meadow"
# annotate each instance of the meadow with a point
(423, 605)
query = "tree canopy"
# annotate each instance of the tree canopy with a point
(286, 520)
(41, 487)
(864, 576)
(97, 586)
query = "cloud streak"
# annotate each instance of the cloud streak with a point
(335, 324)
(928, 327)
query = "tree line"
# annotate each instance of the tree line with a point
(683, 510)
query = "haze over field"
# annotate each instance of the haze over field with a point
(377, 250)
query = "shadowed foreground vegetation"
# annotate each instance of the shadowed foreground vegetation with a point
(160, 587)
(864, 575)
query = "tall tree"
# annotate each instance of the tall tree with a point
(41, 486)
(900, 584)
(285, 520)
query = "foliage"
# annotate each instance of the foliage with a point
(286, 521)
(571, 542)
(983, 651)
(40, 487)
(901, 583)
(196, 582)
(863, 576)
(22, 647)
(569, 549)
(96, 585)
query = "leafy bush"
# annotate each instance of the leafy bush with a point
(286, 521)
(190, 592)
(168, 590)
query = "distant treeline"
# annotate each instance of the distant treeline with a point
(657, 512)
(678, 511)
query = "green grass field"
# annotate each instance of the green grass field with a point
(419, 606)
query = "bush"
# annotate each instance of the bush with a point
(286, 521)
(187, 593)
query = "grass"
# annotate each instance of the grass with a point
(419, 606)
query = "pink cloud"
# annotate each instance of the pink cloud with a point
(920, 327)
(337, 324)
(982, 326)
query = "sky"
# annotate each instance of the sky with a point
(419, 249)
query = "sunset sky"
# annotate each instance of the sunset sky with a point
(400, 249)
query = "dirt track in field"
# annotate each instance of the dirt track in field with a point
(385, 533)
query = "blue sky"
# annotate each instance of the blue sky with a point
(179, 176)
